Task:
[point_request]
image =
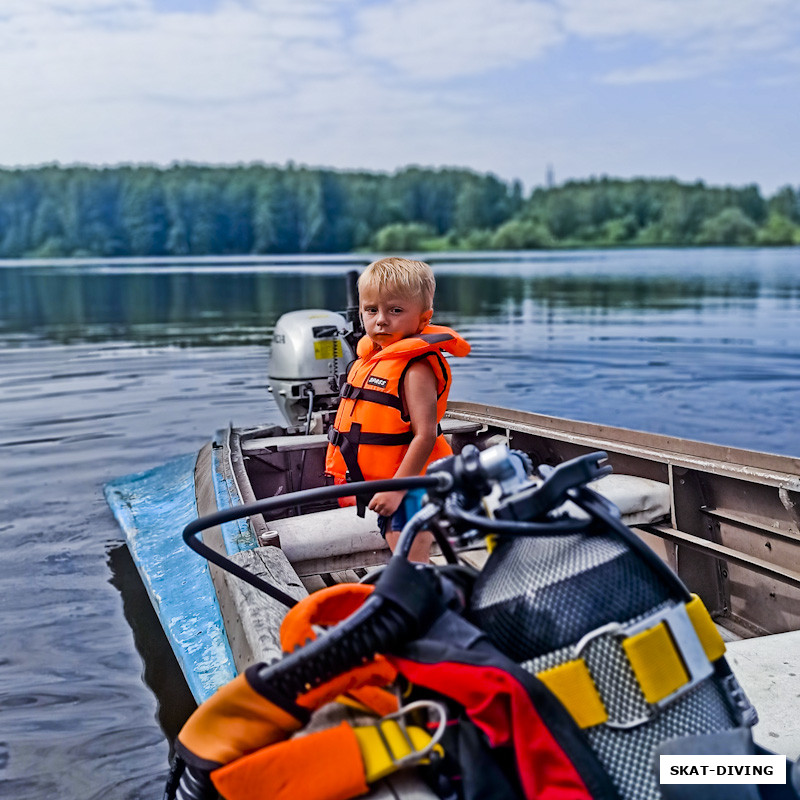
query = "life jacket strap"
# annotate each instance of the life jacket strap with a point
(668, 652)
(348, 446)
(350, 392)
(348, 443)
(339, 438)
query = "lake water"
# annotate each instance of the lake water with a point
(111, 368)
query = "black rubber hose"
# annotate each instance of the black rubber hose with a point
(310, 392)
(195, 784)
(512, 528)
(374, 627)
(444, 545)
(439, 480)
(406, 600)
(410, 530)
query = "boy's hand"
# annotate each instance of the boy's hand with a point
(386, 503)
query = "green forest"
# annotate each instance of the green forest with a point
(183, 210)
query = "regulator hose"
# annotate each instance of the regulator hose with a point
(439, 481)
(407, 599)
(453, 509)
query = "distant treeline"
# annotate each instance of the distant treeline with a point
(202, 210)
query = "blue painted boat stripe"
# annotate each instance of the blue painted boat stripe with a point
(236, 534)
(152, 508)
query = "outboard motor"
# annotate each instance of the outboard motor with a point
(309, 357)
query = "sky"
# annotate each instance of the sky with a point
(692, 89)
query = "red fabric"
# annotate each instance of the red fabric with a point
(504, 711)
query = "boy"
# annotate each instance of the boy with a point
(396, 392)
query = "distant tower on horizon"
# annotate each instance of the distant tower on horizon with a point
(550, 177)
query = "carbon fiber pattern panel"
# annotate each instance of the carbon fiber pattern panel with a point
(628, 755)
(538, 594)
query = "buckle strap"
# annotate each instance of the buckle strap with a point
(390, 744)
(713, 644)
(572, 684)
(338, 438)
(668, 652)
(350, 392)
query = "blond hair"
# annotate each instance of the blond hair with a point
(412, 279)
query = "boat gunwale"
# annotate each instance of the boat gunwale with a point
(771, 468)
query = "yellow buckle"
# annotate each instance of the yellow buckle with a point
(670, 652)
(571, 682)
(390, 744)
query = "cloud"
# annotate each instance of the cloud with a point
(59, 56)
(688, 38)
(502, 85)
(443, 39)
(672, 20)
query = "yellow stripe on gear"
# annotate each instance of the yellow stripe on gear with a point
(656, 663)
(706, 630)
(572, 684)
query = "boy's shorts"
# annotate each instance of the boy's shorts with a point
(411, 503)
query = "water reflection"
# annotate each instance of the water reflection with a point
(183, 308)
(188, 306)
(162, 674)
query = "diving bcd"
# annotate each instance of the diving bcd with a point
(568, 663)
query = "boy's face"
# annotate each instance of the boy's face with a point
(389, 317)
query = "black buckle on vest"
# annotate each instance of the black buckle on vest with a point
(335, 437)
(347, 391)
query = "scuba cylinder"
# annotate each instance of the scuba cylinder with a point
(597, 602)
(570, 662)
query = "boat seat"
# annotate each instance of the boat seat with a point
(641, 501)
(332, 540)
(283, 443)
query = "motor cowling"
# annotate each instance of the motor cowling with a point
(309, 357)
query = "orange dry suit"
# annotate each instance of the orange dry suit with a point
(371, 432)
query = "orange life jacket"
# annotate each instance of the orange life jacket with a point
(371, 432)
